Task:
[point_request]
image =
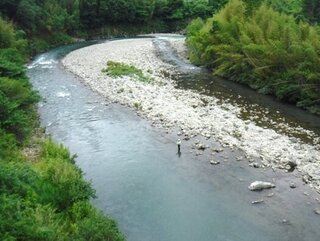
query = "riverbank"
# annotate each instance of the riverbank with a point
(195, 118)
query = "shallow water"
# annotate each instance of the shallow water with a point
(265, 111)
(154, 194)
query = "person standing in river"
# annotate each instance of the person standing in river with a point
(179, 146)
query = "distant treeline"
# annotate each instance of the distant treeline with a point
(52, 22)
(268, 45)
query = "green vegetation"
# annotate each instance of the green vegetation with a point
(116, 69)
(273, 47)
(104, 12)
(49, 23)
(137, 105)
(43, 196)
(311, 10)
(49, 200)
(270, 51)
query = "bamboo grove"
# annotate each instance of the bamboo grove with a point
(268, 50)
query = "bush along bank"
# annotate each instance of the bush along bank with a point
(265, 49)
(43, 195)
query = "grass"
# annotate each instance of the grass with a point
(137, 105)
(117, 69)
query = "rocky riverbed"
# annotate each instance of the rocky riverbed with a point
(196, 118)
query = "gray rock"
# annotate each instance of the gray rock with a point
(217, 150)
(292, 164)
(239, 158)
(259, 185)
(201, 146)
(317, 211)
(293, 185)
(257, 201)
(212, 162)
(255, 165)
(270, 194)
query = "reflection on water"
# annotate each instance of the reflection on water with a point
(154, 194)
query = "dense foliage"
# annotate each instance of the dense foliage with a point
(269, 51)
(49, 200)
(43, 195)
(311, 9)
(17, 116)
(102, 12)
(51, 22)
(45, 198)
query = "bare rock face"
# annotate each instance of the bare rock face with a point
(259, 185)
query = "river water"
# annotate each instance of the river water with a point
(153, 193)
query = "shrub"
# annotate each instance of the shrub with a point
(7, 34)
(11, 64)
(21, 220)
(58, 169)
(267, 50)
(49, 200)
(116, 69)
(8, 147)
(90, 224)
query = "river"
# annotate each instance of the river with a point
(155, 194)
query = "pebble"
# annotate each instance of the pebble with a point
(293, 185)
(257, 201)
(218, 150)
(239, 158)
(259, 185)
(270, 194)
(201, 146)
(255, 165)
(173, 107)
(212, 162)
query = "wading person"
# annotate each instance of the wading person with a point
(179, 145)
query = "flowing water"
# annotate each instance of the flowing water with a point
(153, 193)
(265, 111)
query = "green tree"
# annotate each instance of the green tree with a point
(144, 9)
(311, 10)
(269, 51)
(7, 34)
(9, 8)
(29, 15)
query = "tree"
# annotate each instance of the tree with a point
(9, 8)
(311, 10)
(144, 9)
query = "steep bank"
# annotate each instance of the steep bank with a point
(188, 112)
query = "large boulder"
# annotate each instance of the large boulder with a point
(259, 185)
